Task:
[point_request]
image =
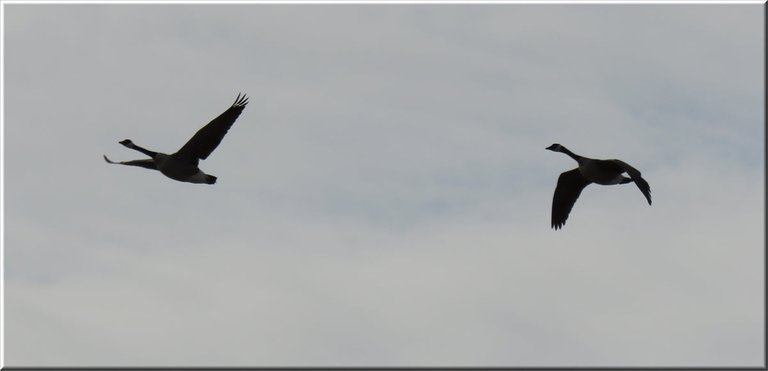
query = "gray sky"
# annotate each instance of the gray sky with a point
(384, 199)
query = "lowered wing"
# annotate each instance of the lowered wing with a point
(635, 175)
(149, 164)
(569, 187)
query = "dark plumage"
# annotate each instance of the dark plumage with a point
(572, 182)
(182, 165)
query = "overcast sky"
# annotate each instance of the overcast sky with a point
(384, 199)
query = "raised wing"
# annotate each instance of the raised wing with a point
(639, 181)
(149, 164)
(208, 138)
(569, 187)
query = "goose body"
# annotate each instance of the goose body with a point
(183, 165)
(604, 172)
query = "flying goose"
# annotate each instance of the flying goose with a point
(605, 172)
(182, 165)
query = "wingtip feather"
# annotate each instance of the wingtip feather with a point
(241, 100)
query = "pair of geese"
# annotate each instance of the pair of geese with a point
(183, 165)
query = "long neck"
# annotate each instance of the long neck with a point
(143, 150)
(569, 153)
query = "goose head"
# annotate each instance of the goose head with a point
(127, 142)
(555, 147)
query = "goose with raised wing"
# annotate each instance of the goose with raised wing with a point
(183, 165)
(572, 182)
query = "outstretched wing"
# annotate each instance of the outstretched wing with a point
(149, 164)
(635, 175)
(208, 138)
(569, 187)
